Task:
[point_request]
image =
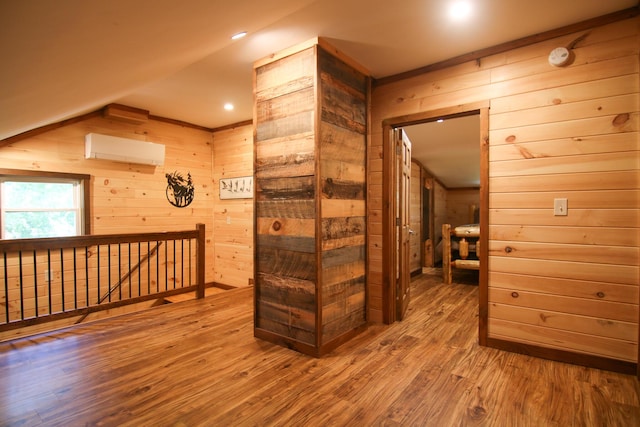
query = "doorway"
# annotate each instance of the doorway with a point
(445, 180)
(392, 173)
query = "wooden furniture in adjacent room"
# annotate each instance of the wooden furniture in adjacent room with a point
(464, 240)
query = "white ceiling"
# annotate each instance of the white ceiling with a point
(449, 150)
(175, 58)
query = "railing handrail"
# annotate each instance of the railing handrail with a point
(20, 247)
(16, 245)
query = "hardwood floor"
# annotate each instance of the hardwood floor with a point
(197, 363)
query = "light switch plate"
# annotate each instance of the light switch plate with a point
(560, 207)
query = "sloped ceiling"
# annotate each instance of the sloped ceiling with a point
(449, 150)
(176, 59)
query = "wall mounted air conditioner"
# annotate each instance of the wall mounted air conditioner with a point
(107, 147)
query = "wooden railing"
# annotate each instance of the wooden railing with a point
(49, 279)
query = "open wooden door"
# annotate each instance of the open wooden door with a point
(403, 272)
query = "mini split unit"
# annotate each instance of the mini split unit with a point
(123, 150)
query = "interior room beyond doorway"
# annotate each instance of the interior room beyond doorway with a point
(445, 183)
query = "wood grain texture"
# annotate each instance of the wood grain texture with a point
(343, 105)
(128, 198)
(310, 139)
(568, 132)
(459, 202)
(415, 218)
(286, 196)
(208, 369)
(232, 218)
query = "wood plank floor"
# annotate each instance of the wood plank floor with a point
(196, 363)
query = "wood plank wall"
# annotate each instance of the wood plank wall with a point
(566, 283)
(427, 226)
(310, 173)
(459, 202)
(439, 216)
(343, 158)
(286, 208)
(128, 198)
(232, 218)
(415, 218)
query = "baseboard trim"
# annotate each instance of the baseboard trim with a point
(590, 361)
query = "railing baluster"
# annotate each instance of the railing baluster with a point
(190, 268)
(75, 280)
(108, 272)
(62, 278)
(35, 280)
(148, 269)
(98, 275)
(182, 263)
(200, 273)
(119, 271)
(6, 287)
(129, 257)
(139, 272)
(86, 275)
(48, 278)
(158, 269)
(21, 286)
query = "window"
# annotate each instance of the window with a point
(37, 204)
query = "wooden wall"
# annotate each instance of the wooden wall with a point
(310, 199)
(232, 218)
(286, 209)
(343, 159)
(564, 283)
(415, 217)
(128, 198)
(459, 202)
(439, 217)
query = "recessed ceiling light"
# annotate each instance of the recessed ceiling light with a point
(228, 106)
(440, 120)
(238, 35)
(460, 10)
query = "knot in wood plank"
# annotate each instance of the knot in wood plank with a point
(621, 119)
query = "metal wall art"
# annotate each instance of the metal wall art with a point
(180, 191)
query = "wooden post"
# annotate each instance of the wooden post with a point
(446, 254)
(428, 253)
(463, 248)
(200, 260)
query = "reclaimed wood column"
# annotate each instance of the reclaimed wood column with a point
(310, 178)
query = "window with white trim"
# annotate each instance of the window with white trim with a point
(42, 205)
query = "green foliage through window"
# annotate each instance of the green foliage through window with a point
(44, 208)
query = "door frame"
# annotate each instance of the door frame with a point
(389, 177)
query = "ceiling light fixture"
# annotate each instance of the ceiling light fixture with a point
(238, 35)
(440, 120)
(228, 106)
(460, 10)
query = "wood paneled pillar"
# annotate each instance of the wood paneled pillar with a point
(310, 181)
